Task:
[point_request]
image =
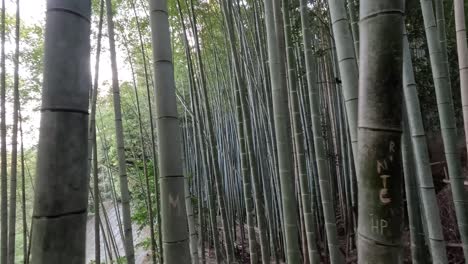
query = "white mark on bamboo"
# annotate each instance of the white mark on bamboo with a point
(384, 191)
(392, 147)
(378, 225)
(382, 167)
(391, 150)
(174, 203)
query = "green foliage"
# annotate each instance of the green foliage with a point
(146, 244)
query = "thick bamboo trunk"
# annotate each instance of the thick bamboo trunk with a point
(175, 234)
(380, 222)
(61, 196)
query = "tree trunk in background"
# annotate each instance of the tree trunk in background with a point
(421, 158)
(440, 74)
(191, 223)
(418, 243)
(92, 146)
(61, 196)
(380, 223)
(97, 238)
(247, 146)
(307, 203)
(14, 146)
(323, 168)
(125, 193)
(440, 17)
(281, 115)
(3, 151)
(151, 121)
(149, 202)
(173, 209)
(348, 65)
(218, 176)
(23, 196)
(462, 48)
(197, 131)
(349, 72)
(354, 18)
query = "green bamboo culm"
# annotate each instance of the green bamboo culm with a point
(252, 180)
(275, 38)
(462, 48)
(353, 17)
(212, 142)
(349, 73)
(60, 213)
(418, 245)
(347, 63)
(440, 73)
(92, 145)
(442, 32)
(380, 222)
(309, 218)
(298, 137)
(3, 150)
(14, 148)
(175, 235)
(324, 175)
(421, 157)
(119, 137)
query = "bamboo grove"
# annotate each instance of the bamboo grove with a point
(234, 131)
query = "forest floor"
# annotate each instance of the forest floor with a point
(449, 225)
(142, 255)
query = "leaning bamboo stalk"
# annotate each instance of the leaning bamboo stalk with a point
(14, 148)
(417, 236)
(23, 194)
(441, 77)
(421, 157)
(92, 147)
(124, 190)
